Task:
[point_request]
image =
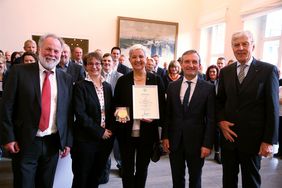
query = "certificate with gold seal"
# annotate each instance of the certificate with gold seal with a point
(145, 102)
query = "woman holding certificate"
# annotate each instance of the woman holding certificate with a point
(139, 99)
(94, 120)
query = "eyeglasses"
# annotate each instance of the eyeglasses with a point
(94, 64)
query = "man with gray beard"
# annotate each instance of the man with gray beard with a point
(37, 117)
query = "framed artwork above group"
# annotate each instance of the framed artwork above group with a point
(159, 37)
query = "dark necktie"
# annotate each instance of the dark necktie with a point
(45, 103)
(186, 96)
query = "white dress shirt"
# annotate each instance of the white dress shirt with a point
(54, 94)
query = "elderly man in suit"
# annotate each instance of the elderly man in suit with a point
(77, 55)
(37, 117)
(190, 121)
(247, 112)
(76, 71)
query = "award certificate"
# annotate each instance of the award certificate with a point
(145, 102)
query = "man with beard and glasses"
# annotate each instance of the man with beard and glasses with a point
(37, 117)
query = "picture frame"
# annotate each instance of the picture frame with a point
(159, 37)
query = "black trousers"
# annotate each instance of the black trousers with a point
(36, 166)
(88, 162)
(250, 166)
(194, 163)
(135, 157)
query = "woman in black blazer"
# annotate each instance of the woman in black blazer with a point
(136, 136)
(93, 125)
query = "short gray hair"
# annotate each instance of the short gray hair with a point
(137, 47)
(44, 37)
(243, 33)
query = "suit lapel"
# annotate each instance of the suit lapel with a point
(36, 79)
(177, 91)
(60, 87)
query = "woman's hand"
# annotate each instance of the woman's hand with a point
(107, 134)
(121, 114)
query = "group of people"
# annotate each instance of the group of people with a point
(48, 112)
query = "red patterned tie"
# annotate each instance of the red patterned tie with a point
(45, 103)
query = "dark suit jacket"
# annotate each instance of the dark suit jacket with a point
(22, 106)
(252, 106)
(161, 72)
(123, 98)
(195, 127)
(88, 111)
(123, 69)
(76, 71)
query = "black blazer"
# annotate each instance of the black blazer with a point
(195, 127)
(123, 98)
(22, 106)
(252, 106)
(88, 112)
(123, 69)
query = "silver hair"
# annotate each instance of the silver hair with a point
(137, 47)
(44, 37)
(243, 33)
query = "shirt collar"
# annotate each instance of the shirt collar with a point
(248, 63)
(194, 80)
(87, 78)
(42, 69)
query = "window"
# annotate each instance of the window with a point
(267, 30)
(212, 44)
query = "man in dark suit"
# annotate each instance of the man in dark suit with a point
(117, 66)
(160, 71)
(190, 122)
(247, 113)
(76, 71)
(37, 117)
(77, 56)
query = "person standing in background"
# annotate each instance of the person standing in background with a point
(77, 55)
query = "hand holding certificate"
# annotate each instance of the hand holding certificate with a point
(145, 102)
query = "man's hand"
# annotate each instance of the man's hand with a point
(265, 149)
(165, 143)
(205, 152)
(227, 132)
(65, 152)
(12, 147)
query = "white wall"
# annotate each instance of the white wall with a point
(232, 12)
(95, 20)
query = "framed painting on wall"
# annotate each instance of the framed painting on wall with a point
(159, 37)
